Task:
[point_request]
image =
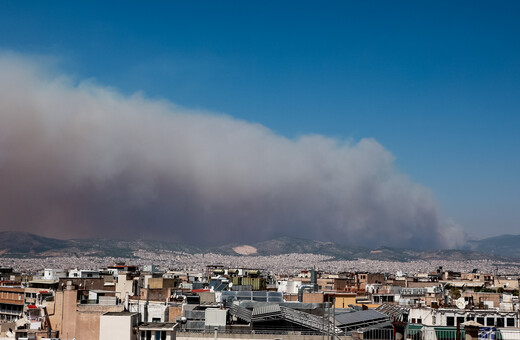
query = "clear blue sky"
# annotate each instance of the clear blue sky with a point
(435, 82)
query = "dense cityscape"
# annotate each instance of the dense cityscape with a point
(168, 295)
(287, 264)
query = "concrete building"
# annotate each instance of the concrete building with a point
(53, 274)
(83, 274)
(118, 325)
(344, 300)
(288, 286)
(157, 331)
(74, 319)
(215, 317)
(12, 300)
(451, 316)
(122, 268)
(153, 311)
(126, 284)
(85, 283)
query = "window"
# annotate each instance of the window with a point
(419, 320)
(490, 321)
(450, 321)
(460, 319)
(480, 320)
(510, 322)
(500, 322)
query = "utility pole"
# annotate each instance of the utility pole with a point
(323, 324)
(328, 318)
(334, 316)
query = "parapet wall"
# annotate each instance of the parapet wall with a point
(232, 336)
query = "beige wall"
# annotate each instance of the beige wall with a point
(63, 316)
(290, 297)
(159, 283)
(174, 312)
(482, 297)
(340, 284)
(113, 327)
(124, 285)
(419, 284)
(312, 297)
(342, 301)
(76, 321)
(207, 297)
(507, 284)
(326, 284)
(87, 320)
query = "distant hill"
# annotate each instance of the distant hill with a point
(284, 245)
(20, 244)
(16, 243)
(504, 245)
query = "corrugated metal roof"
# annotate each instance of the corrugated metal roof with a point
(266, 309)
(241, 312)
(346, 319)
(393, 311)
(386, 324)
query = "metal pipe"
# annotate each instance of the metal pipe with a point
(300, 291)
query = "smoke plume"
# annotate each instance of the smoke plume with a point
(81, 160)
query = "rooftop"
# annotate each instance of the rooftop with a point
(157, 325)
(120, 313)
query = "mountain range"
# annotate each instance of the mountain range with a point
(21, 244)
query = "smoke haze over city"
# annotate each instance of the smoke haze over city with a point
(78, 159)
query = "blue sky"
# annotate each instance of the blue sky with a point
(435, 82)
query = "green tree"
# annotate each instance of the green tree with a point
(455, 293)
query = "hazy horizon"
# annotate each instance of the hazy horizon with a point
(375, 124)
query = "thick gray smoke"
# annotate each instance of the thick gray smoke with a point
(86, 161)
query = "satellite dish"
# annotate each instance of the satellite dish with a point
(461, 303)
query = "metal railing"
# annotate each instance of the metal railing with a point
(377, 334)
(431, 333)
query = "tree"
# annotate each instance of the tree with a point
(455, 293)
